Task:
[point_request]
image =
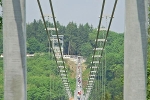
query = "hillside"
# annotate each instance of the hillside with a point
(42, 71)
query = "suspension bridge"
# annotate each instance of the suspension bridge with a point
(135, 46)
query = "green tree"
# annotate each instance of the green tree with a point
(1, 42)
(36, 34)
(43, 79)
(85, 49)
(33, 45)
(70, 37)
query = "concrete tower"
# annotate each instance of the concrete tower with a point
(14, 49)
(135, 49)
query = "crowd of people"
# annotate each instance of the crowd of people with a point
(79, 82)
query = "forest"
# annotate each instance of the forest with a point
(42, 68)
(43, 77)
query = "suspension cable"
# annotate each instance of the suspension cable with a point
(51, 6)
(109, 26)
(102, 9)
(98, 29)
(46, 30)
(57, 32)
(106, 32)
(50, 42)
(49, 37)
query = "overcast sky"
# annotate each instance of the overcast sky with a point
(78, 11)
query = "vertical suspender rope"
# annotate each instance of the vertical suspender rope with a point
(96, 88)
(98, 83)
(105, 72)
(102, 76)
(49, 56)
(102, 65)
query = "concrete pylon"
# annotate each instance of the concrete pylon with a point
(14, 49)
(135, 49)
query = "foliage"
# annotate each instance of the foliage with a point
(1, 42)
(148, 62)
(44, 82)
(75, 38)
(1, 80)
(1, 35)
(80, 40)
(37, 40)
(114, 68)
(43, 78)
(1, 22)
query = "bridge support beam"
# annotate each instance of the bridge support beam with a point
(14, 49)
(135, 50)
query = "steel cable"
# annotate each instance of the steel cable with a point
(106, 32)
(102, 9)
(49, 37)
(98, 29)
(47, 34)
(46, 29)
(51, 6)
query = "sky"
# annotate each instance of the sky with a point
(79, 11)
